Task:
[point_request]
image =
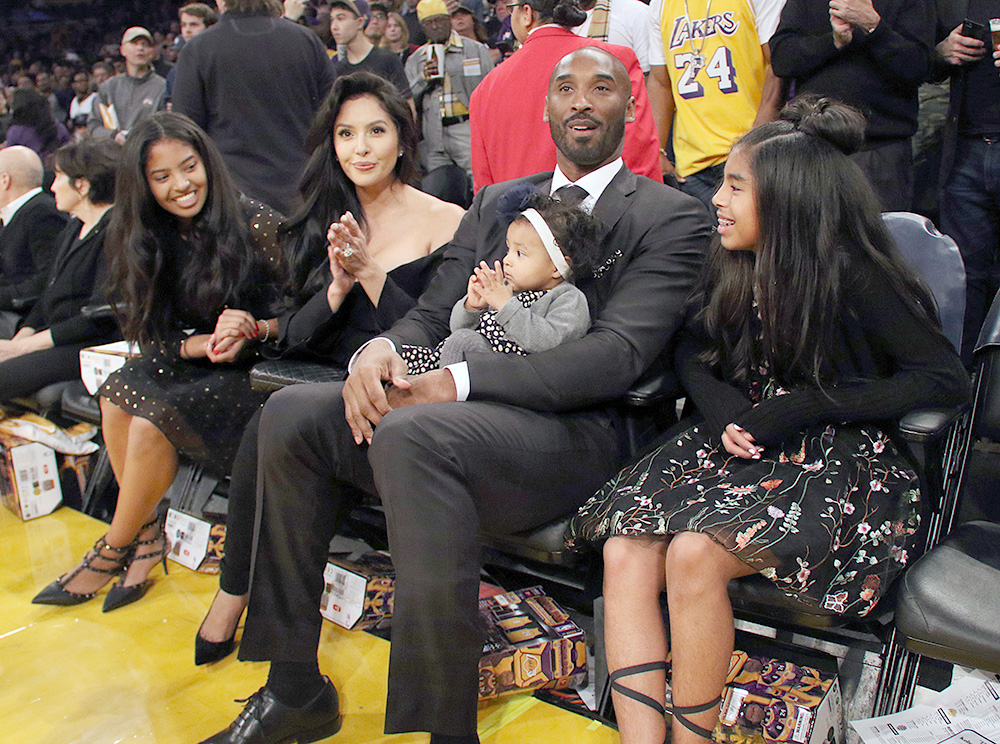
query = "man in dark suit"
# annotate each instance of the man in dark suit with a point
(253, 81)
(532, 438)
(31, 223)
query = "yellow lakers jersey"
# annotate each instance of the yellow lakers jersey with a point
(716, 70)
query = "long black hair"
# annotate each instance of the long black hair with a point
(326, 190)
(31, 108)
(817, 216)
(214, 265)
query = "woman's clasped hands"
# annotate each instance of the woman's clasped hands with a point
(232, 331)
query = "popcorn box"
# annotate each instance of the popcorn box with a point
(531, 644)
(29, 477)
(98, 362)
(767, 701)
(358, 593)
(195, 543)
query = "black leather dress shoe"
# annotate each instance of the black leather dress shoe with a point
(266, 721)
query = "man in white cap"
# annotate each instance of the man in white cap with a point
(122, 99)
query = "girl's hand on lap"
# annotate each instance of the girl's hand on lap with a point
(740, 442)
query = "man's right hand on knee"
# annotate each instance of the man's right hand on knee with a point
(365, 401)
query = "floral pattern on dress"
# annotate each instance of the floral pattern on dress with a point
(830, 515)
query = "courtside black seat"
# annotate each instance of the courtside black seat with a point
(80, 405)
(275, 374)
(45, 401)
(949, 601)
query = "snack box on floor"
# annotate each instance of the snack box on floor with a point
(357, 593)
(29, 477)
(767, 701)
(97, 362)
(195, 542)
(531, 642)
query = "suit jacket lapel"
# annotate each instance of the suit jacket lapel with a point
(616, 197)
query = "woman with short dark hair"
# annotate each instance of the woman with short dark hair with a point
(46, 347)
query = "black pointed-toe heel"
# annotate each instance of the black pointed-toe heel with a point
(56, 592)
(209, 652)
(120, 595)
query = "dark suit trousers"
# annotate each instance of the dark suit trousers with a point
(29, 373)
(444, 471)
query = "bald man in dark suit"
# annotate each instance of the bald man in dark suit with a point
(31, 223)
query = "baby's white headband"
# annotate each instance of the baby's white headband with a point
(548, 240)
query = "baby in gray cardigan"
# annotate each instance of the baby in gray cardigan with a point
(528, 303)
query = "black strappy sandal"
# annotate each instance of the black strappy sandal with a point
(679, 712)
(56, 593)
(120, 595)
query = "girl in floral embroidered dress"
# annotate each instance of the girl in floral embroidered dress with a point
(807, 339)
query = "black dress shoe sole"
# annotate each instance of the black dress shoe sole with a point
(320, 732)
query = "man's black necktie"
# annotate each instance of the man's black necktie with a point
(571, 194)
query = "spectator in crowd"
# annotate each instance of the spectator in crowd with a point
(624, 22)
(81, 105)
(355, 51)
(443, 469)
(123, 99)
(397, 38)
(510, 141)
(375, 29)
(183, 246)
(195, 18)
(341, 301)
(253, 82)
(33, 125)
(870, 54)
(45, 85)
(970, 210)
(408, 9)
(100, 73)
(710, 81)
(498, 27)
(444, 92)
(46, 347)
(31, 223)
(465, 23)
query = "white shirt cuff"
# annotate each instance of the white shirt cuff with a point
(350, 364)
(460, 373)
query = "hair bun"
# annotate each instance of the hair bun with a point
(514, 201)
(568, 13)
(837, 123)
